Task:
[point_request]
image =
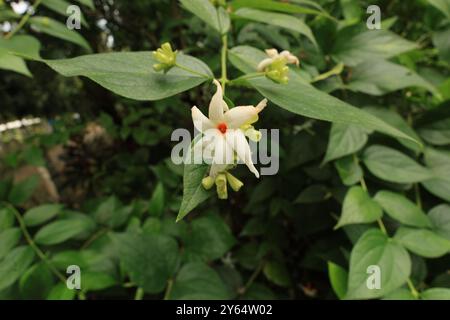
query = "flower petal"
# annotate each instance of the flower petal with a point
(201, 122)
(236, 139)
(217, 105)
(272, 53)
(239, 116)
(264, 64)
(223, 152)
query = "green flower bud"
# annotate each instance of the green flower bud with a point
(221, 185)
(234, 182)
(166, 56)
(208, 182)
(253, 134)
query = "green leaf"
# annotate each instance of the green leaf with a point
(440, 219)
(392, 165)
(131, 74)
(442, 43)
(6, 218)
(441, 5)
(112, 213)
(356, 44)
(349, 170)
(60, 7)
(374, 248)
(209, 238)
(58, 30)
(303, 99)
(22, 45)
(156, 204)
(338, 278)
(313, 194)
(378, 77)
(14, 265)
(205, 10)
(437, 133)
(277, 273)
(197, 281)
(358, 207)
(270, 5)
(422, 242)
(41, 214)
(344, 140)
(285, 21)
(61, 292)
(402, 209)
(36, 283)
(436, 294)
(7, 14)
(22, 191)
(395, 120)
(8, 240)
(87, 3)
(193, 191)
(400, 294)
(96, 281)
(63, 230)
(439, 163)
(150, 260)
(13, 63)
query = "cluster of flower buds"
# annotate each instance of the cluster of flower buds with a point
(275, 66)
(221, 181)
(166, 57)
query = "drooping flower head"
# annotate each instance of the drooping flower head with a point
(275, 66)
(224, 139)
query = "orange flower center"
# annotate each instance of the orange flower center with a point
(222, 127)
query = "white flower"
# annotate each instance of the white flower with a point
(223, 137)
(274, 56)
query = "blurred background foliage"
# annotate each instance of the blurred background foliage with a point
(98, 164)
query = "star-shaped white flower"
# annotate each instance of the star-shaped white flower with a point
(274, 56)
(223, 137)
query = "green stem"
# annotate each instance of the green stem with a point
(413, 289)
(33, 245)
(169, 289)
(192, 71)
(224, 78)
(382, 227)
(247, 77)
(24, 19)
(253, 277)
(139, 294)
(94, 237)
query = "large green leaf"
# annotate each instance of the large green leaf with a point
(41, 214)
(22, 45)
(58, 30)
(349, 170)
(440, 219)
(14, 265)
(356, 44)
(23, 190)
(301, 98)
(358, 207)
(285, 21)
(63, 230)
(150, 260)
(13, 63)
(423, 242)
(392, 165)
(378, 77)
(217, 18)
(442, 5)
(303, 6)
(375, 249)
(209, 238)
(197, 281)
(61, 292)
(88, 3)
(344, 140)
(402, 209)
(395, 120)
(131, 74)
